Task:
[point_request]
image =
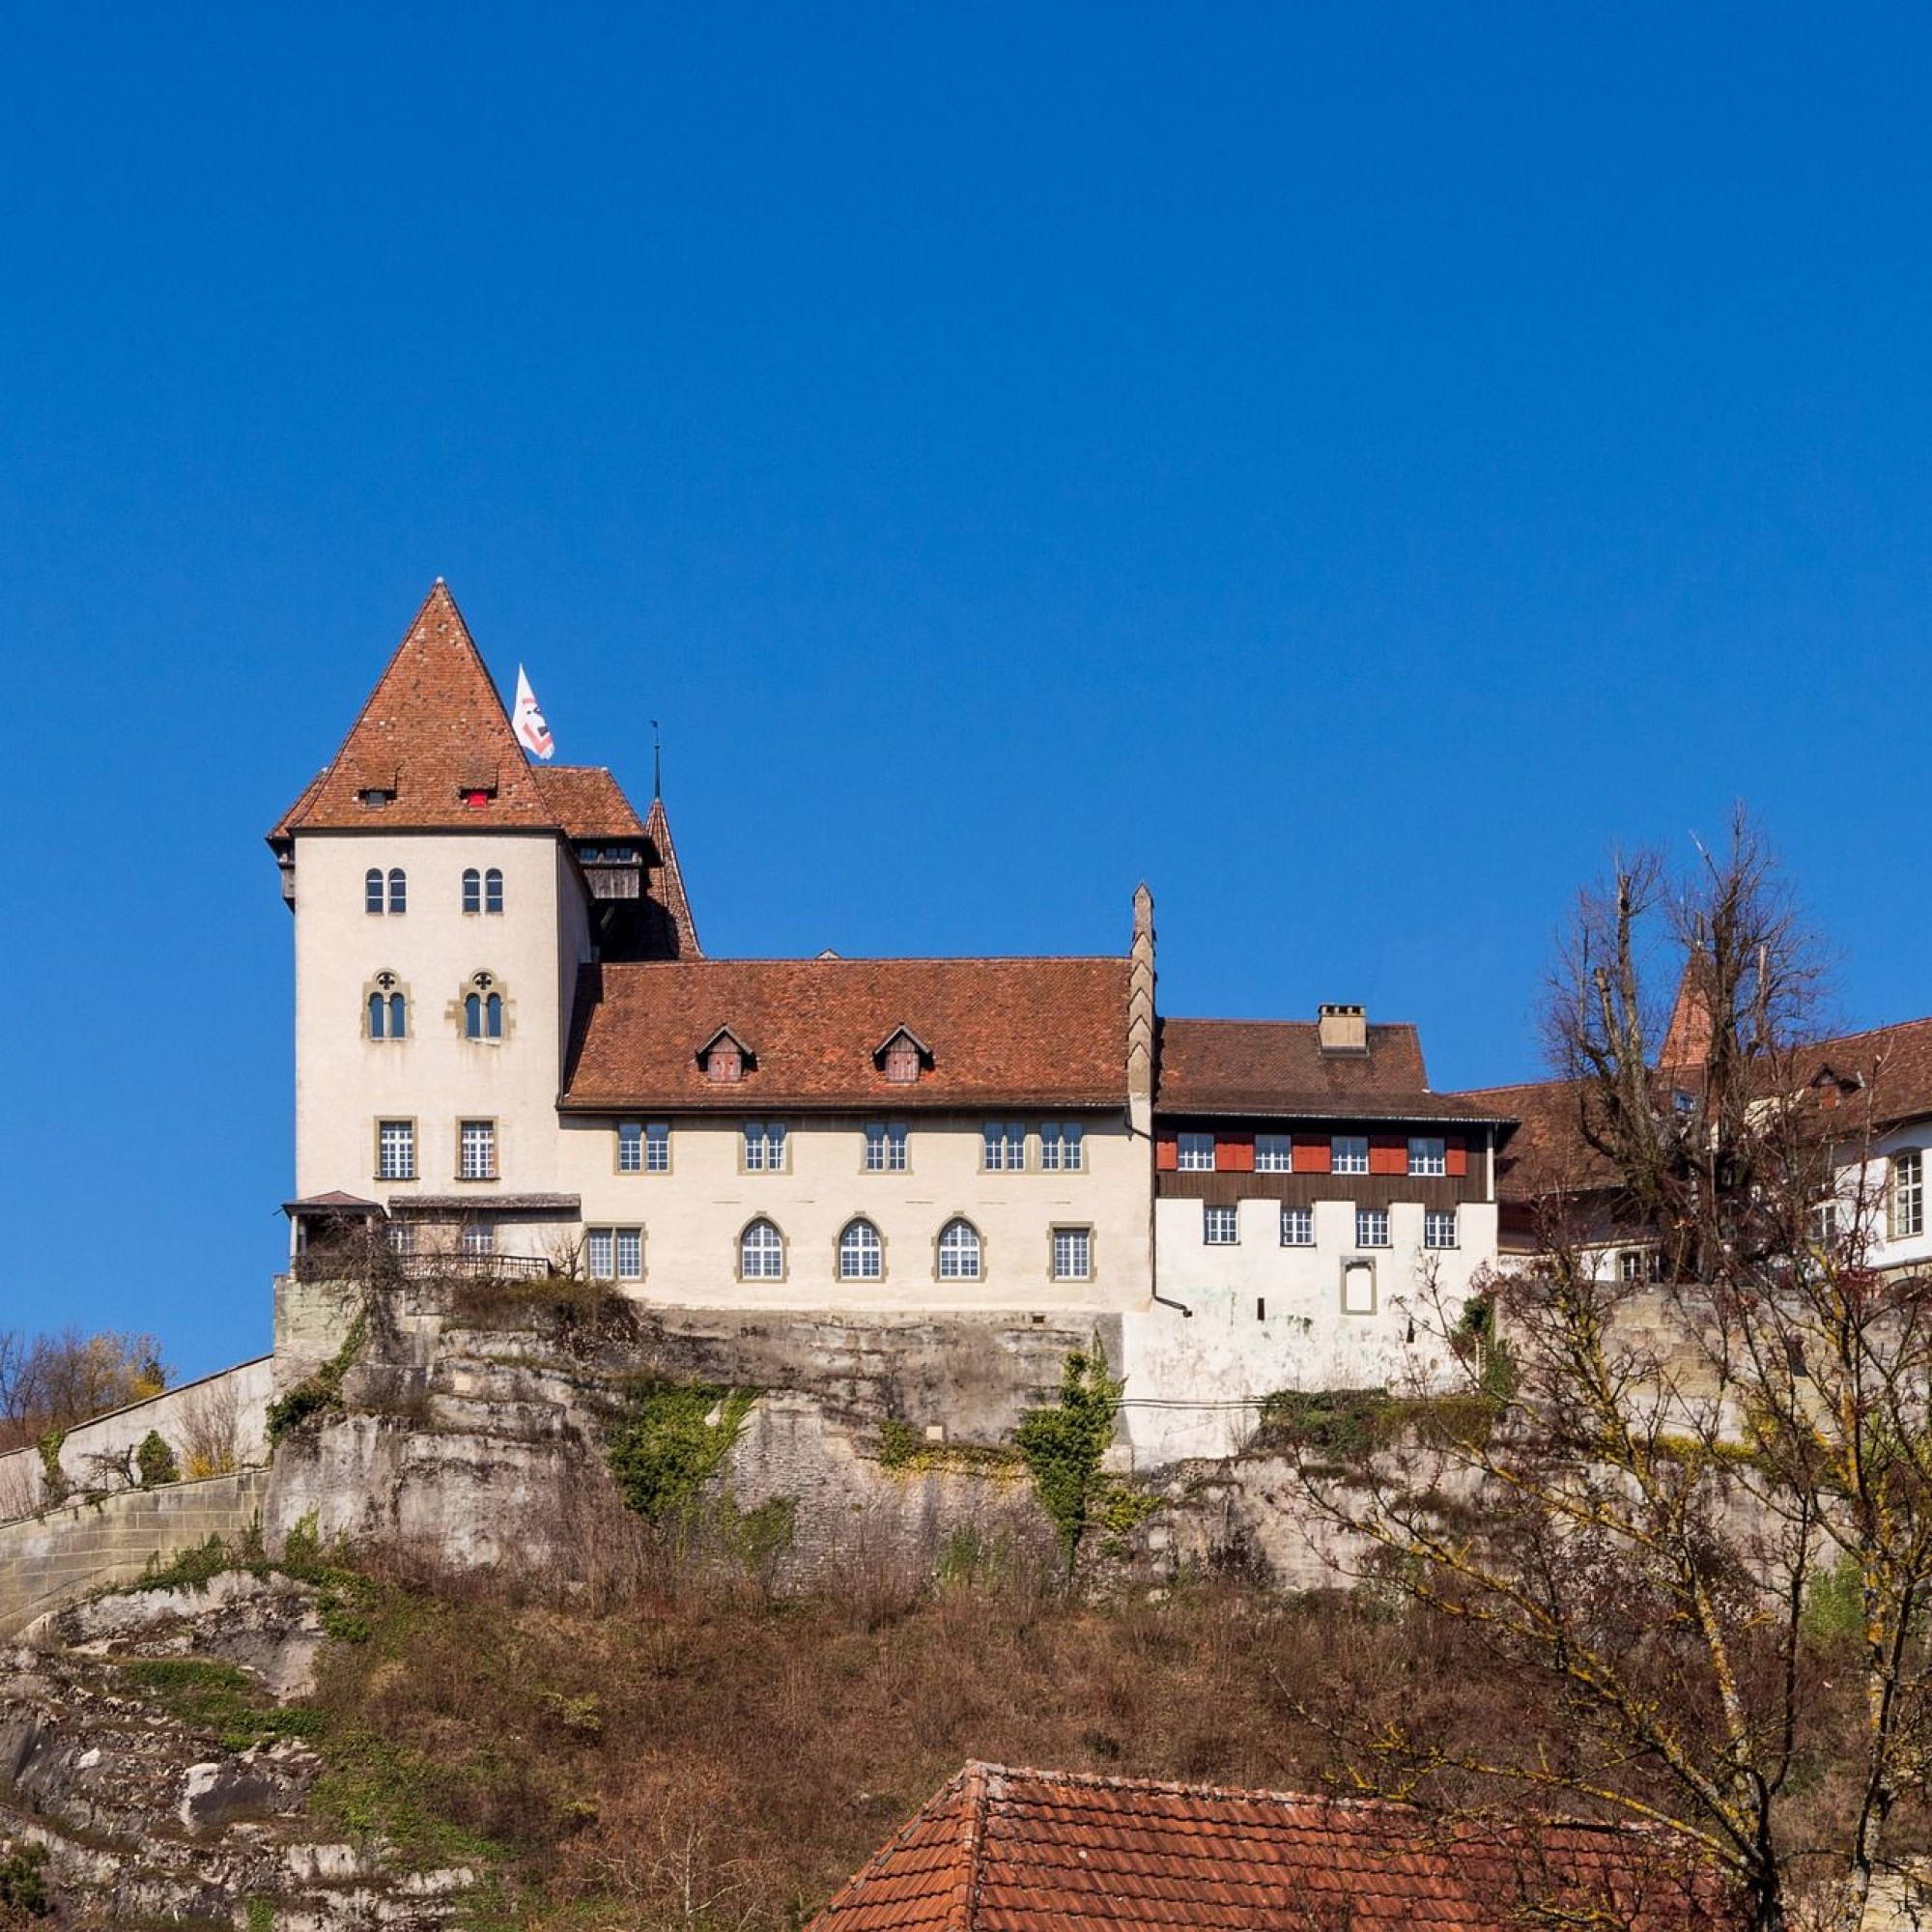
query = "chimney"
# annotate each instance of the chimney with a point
(1342, 1029)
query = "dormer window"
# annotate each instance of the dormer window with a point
(724, 1057)
(477, 784)
(475, 796)
(901, 1056)
(374, 797)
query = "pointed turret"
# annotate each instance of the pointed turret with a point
(1687, 1039)
(432, 749)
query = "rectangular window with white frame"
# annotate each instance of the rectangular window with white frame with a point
(395, 1151)
(630, 1147)
(614, 1254)
(885, 1146)
(1907, 1193)
(1003, 1147)
(477, 1238)
(1427, 1154)
(1072, 1254)
(1349, 1153)
(1438, 1228)
(1196, 1154)
(1825, 1224)
(1297, 1226)
(764, 1147)
(1220, 1227)
(1274, 1154)
(1371, 1227)
(476, 1150)
(1061, 1150)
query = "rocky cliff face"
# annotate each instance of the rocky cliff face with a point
(145, 1745)
(473, 1432)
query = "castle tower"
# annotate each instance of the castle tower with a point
(448, 896)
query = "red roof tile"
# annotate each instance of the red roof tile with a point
(1026, 1851)
(1014, 1032)
(433, 727)
(1887, 1070)
(1277, 1068)
(588, 802)
(667, 884)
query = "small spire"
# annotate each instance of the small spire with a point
(657, 763)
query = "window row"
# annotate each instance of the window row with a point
(479, 1013)
(388, 892)
(1221, 1226)
(1007, 1146)
(396, 1151)
(959, 1252)
(1207, 1152)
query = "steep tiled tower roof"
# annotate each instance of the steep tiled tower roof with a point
(667, 884)
(435, 736)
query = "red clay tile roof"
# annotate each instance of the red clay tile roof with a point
(588, 802)
(1033, 1851)
(1008, 1033)
(1548, 1154)
(1277, 1068)
(433, 727)
(666, 883)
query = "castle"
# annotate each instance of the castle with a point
(511, 1047)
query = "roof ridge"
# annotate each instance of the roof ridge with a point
(1362, 1802)
(974, 1779)
(891, 959)
(1225, 1019)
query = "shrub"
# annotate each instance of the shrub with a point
(155, 1461)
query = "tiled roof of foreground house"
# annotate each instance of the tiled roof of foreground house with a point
(1277, 1067)
(1026, 1851)
(1018, 1033)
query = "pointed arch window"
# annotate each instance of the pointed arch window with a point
(959, 1251)
(761, 1252)
(862, 1255)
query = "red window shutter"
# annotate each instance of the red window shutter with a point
(1311, 1155)
(1167, 1154)
(1235, 1153)
(1388, 1154)
(1456, 1158)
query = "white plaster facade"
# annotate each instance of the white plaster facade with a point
(691, 1217)
(433, 1077)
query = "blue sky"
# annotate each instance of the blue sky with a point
(1349, 466)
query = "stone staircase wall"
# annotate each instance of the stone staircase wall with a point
(55, 1559)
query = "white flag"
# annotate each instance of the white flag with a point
(532, 733)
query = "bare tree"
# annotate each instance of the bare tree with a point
(1698, 1511)
(52, 1381)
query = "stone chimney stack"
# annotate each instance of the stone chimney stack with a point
(1140, 1015)
(1342, 1029)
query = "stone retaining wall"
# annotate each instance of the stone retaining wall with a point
(48, 1561)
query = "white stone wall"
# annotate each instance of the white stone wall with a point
(692, 1215)
(1263, 1316)
(346, 1082)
